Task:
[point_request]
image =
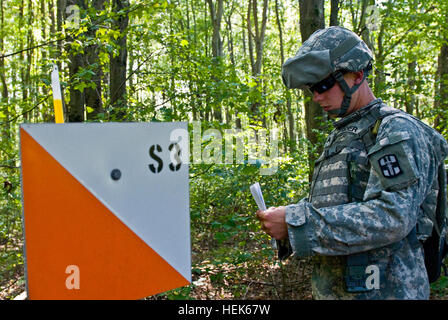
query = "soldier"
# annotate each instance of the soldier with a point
(372, 187)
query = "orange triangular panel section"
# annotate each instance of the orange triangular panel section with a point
(65, 225)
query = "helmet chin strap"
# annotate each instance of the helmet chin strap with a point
(348, 93)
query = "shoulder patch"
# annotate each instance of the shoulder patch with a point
(392, 162)
(389, 165)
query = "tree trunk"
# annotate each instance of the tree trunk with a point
(43, 25)
(118, 99)
(6, 129)
(410, 88)
(256, 37)
(410, 97)
(441, 92)
(250, 37)
(216, 17)
(334, 12)
(76, 104)
(47, 115)
(243, 31)
(380, 55)
(93, 95)
(230, 36)
(52, 9)
(60, 14)
(231, 50)
(206, 30)
(259, 36)
(287, 92)
(362, 21)
(312, 19)
(217, 52)
(363, 30)
(26, 73)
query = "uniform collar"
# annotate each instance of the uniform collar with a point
(357, 115)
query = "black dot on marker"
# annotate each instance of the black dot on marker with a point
(115, 174)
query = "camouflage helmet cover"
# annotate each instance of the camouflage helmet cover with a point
(324, 52)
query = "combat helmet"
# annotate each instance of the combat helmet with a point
(328, 52)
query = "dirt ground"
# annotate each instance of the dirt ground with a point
(252, 280)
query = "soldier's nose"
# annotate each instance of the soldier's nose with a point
(317, 97)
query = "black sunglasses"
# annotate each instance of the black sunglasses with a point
(323, 85)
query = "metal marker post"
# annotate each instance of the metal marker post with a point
(57, 96)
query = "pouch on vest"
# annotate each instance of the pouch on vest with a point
(355, 273)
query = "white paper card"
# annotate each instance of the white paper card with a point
(255, 189)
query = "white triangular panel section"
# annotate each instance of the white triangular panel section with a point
(155, 206)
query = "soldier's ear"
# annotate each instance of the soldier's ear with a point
(359, 76)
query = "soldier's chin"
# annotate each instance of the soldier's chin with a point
(333, 113)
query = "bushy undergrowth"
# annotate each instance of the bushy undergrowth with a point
(231, 256)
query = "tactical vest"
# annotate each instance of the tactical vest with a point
(340, 176)
(342, 171)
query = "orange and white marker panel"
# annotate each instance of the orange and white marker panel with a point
(106, 209)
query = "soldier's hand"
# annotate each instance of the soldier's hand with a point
(273, 222)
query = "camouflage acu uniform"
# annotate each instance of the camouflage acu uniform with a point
(373, 187)
(368, 193)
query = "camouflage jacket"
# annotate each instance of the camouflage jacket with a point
(399, 170)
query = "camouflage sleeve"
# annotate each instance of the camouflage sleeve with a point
(400, 169)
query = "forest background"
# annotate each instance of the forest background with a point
(217, 62)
